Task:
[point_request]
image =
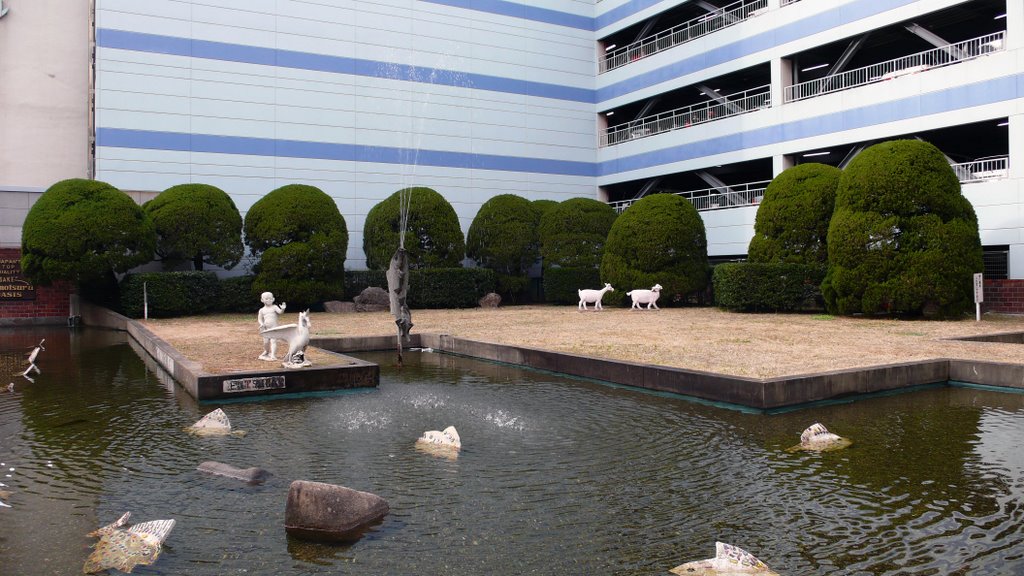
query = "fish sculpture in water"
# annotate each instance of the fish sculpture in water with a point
(297, 336)
(440, 442)
(215, 423)
(729, 560)
(124, 549)
(817, 438)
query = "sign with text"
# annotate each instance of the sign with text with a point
(13, 285)
(979, 293)
(254, 384)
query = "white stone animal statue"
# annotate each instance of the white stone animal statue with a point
(817, 438)
(588, 296)
(124, 549)
(297, 336)
(729, 560)
(649, 297)
(441, 442)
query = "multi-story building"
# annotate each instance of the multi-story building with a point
(548, 99)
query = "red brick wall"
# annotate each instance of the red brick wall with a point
(1004, 296)
(50, 302)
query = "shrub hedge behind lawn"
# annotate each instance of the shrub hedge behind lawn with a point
(433, 237)
(756, 287)
(170, 294)
(561, 284)
(792, 220)
(430, 288)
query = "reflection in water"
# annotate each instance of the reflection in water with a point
(555, 476)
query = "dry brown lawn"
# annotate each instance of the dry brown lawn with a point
(708, 339)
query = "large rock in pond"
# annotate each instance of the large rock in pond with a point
(328, 512)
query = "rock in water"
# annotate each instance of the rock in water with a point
(251, 475)
(817, 438)
(440, 442)
(125, 549)
(729, 560)
(215, 423)
(327, 512)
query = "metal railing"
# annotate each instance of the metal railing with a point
(690, 30)
(787, 2)
(913, 64)
(983, 169)
(731, 105)
(749, 194)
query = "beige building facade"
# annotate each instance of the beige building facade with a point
(45, 110)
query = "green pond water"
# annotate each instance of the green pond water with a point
(557, 476)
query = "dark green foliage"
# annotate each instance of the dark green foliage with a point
(433, 236)
(358, 280)
(170, 294)
(503, 237)
(573, 233)
(561, 284)
(292, 213)
(430, 288)
(198, 223)
(658, 240)
(302, 240)
(81, 230)
(542, 206)
(303, 273)
(237, 295)
(903, 239)
(449, 287)
(756, 287)
(792, 220)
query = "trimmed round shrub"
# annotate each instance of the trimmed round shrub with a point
(302, 241)
(503, 237)
(303, 273)
(660, 239)
(292, 213)
(198, 223)
(792, 221)
(433, 236)
(543, 206)
(573, 233)
(903, 239)
(84, 230)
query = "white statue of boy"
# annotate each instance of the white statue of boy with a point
(267, 318)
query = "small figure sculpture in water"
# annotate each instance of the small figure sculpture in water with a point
(215, 423)
(444, 443)
(124, 549)
(297, 336)
(32, 361)
(594, 297)
(817, 438)
(729, 560)
(648, 297)
(267, 318)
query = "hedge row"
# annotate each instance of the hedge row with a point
(430, 287)
(561, 284)
(755, 287)
(169, 294)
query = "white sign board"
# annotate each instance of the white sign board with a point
(979, 294)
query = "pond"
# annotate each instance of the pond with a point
(557, 476)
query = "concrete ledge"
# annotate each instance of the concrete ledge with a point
(987, 373)
(204, 386)
(761, 394)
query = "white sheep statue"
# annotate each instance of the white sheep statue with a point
(588, 296)
(648, 297)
